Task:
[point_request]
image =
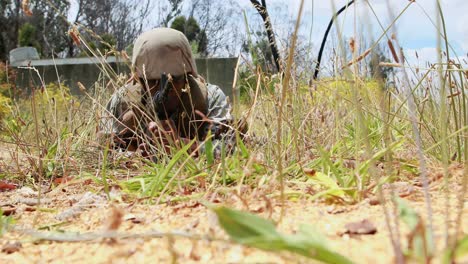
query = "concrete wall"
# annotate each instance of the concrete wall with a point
(219, 71)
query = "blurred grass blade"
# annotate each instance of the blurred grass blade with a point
(242, 147)
(460, 250)
(462, 247)
(378, 155)
(407, 214)
(251, 230)
(156, 184)
(209, 149)
(420, 245)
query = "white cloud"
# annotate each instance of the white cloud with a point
(415, 31)
(420, 57)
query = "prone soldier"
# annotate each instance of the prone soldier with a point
(167, 103)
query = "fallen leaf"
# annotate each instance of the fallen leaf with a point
(75, 35)
(10, 248)
(8, 210)
(431, 180)
(192, 225)
(115, 219)
(189, 205)
(134, 219)
(258, 209)
(374, 201)
(5, 186)
(33, 201)
(337, 210)
(63, 180)
(309, 172)
(363, 227)
(29, 209)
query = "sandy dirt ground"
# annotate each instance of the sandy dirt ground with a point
(149, 225)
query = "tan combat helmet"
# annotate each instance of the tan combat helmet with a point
(163, 50)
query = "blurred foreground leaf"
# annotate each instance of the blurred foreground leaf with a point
(460, 250)
(251, 230)
(462, 247)
(420, 244)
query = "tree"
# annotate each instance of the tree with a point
(260, 51)
(10, 15)
(122, 19)
(263, 12)
(48, 26)
(27, 36)
(192, 31)
(375, 70)
(175, 8)
(216, 20)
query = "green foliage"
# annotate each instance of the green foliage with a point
(27, 36)
(460, 251)
(6, 222)
(254, 231)
(261, 53)
(247, 84)
(104, 44)
(193, 32)
(44, 118)
(189, 27)
(107, 44)
(7, 78)
(44, 29)
(161, 175)
(376, 71)
(209, 149)
(54, 97)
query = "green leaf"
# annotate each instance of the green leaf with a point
(377, 156)
(330, 184)
(407, 214)
(242, 147)
(460, 250)
(209, 149)
(6, 222)
(462, 247)
(158, 180)
(52, 151)
(242, 226)
(251, 230)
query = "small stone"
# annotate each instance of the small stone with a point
(10, 248)
(364, 227)
(374, 201)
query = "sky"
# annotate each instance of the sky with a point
(415, 30)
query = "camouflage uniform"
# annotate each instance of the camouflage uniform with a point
(203, 107)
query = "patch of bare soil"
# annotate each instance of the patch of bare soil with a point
(140, 232)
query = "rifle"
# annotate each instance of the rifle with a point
(160, 97)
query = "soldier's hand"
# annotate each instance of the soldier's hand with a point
(163, 129)
(166, 134)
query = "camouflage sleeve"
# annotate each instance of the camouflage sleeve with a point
(119, 103)
(109, 120)
(219, 107)
(219, 112)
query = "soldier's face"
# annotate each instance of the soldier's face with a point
(173, 98)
